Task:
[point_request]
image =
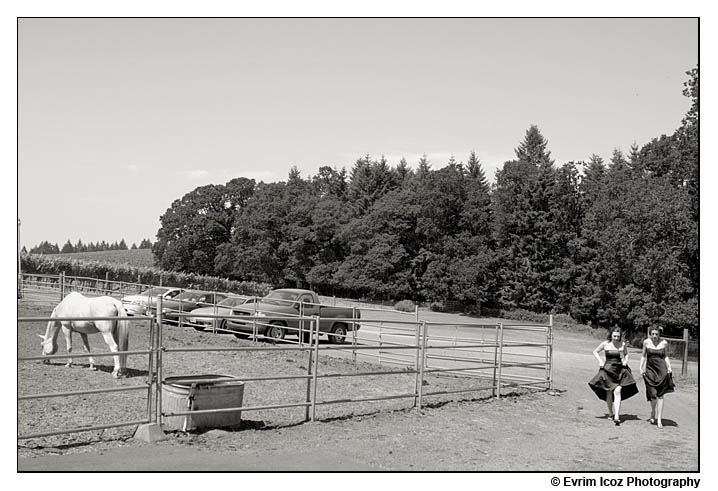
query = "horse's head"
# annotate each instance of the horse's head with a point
(49, 347)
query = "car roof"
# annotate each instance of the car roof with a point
(293, 290)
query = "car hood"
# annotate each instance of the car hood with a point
(211, 310)
(266, 307)
(132, 298)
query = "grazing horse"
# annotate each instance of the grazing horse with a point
(115, 332)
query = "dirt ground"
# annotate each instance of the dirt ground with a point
(563, 430)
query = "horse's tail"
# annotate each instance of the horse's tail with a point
(123, 334)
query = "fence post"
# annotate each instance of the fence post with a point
(316, 366)
(380, 326)
(62, 285)
(254, 322)
(501, 356)
(310, 365)
(214, 309)
(549, 352)
(301, 324)
(417, 340)
(496, 361)
(423, 362)
(151, 374)
(684, 368)
(354, 334)
(160, 347)
(107, 282)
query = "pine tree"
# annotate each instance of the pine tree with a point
(532, 149)
(403, 170)
(423, 169)
(476, 172)
(67, 248)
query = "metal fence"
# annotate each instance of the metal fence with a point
(492, 357)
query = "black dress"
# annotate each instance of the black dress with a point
(658, 380)
(612, 375)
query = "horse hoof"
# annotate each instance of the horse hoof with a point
(68, 365)
(93, 368)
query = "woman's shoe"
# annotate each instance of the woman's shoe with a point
(660, 424)
(616, 421)
(652, 421)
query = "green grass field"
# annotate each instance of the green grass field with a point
(132, 257)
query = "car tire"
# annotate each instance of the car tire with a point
(275, 332)
(222, 327)
(338, 334)
(198, 328)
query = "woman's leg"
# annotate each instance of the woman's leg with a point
(609, 403)
(653, 411)
(659, 412)
(616, 403)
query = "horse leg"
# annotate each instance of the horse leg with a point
(110, 340)
(86, 344)
(68, 341)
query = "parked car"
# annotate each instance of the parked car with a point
(223, 308)
(138, 304)
(186, 302)
(291, 302)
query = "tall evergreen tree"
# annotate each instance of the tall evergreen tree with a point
(532, 149)
(67, 248)
(524, 225)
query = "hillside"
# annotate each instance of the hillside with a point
(132, 257)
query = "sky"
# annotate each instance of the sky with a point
(117, 118)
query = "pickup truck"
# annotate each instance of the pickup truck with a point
(290, 302)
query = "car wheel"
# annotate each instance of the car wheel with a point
(338, 334)
(275, 331)
(222, 326)
(198, 327)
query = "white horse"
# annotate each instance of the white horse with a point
(115, 332)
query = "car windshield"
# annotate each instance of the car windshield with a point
(280, 297)
(190, 296)
(231, 302)
(154, 291)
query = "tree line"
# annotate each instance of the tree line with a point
(45, 247)
(608, 243)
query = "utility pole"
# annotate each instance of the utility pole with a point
(19, 262)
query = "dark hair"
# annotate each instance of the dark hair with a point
(655, 328)
(612, 330)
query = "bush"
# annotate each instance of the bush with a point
(405, 306)
(37, 263)
(437, 307)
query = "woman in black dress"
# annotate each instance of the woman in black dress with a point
(614, 381)
(657, 373)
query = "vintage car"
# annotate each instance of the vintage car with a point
(186, 302)
(224, 307)
(279, 308)
(138, 304)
